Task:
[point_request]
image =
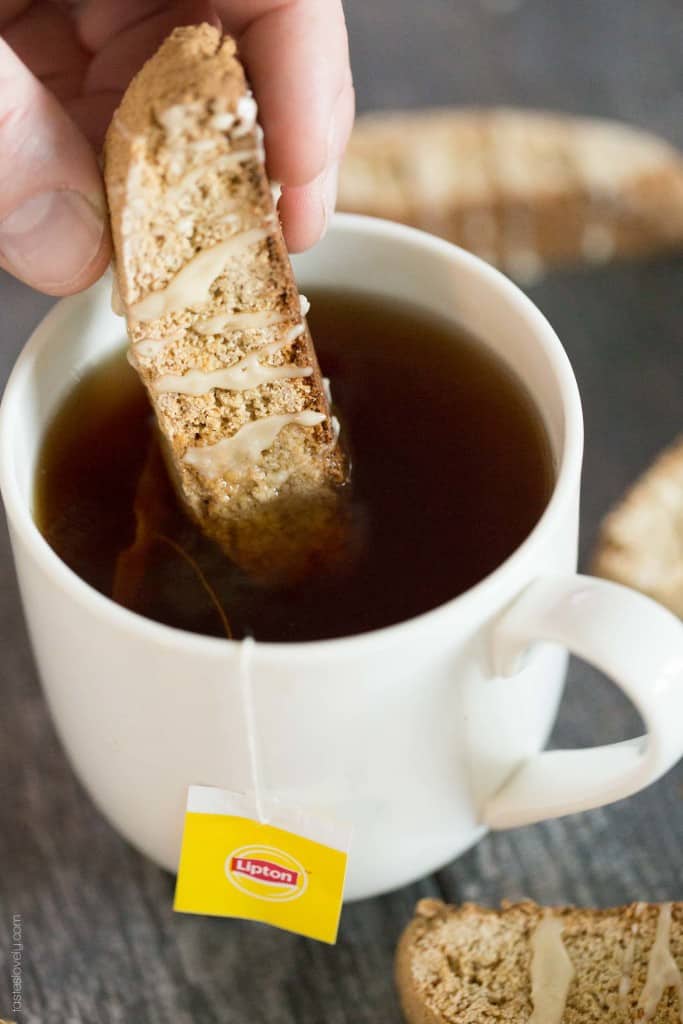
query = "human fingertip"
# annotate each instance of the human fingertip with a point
(302, 216)
(306, 211)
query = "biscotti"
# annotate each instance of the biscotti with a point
(524, 190)
(216, 324)
(641, 540)
(527, 964)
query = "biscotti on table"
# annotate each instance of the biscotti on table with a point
(217, 327)
(527, 964)
(525, 190)
(641, 539)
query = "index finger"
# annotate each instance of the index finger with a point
(297, 58)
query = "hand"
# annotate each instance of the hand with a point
(64, 65)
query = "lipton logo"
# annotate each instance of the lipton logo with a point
(266, 873)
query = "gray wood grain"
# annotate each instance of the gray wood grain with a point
(101, 944)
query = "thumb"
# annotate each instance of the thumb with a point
(53, 225)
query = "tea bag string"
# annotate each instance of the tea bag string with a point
(247, 694)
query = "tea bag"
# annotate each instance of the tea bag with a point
(154, 509)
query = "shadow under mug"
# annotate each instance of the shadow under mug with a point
(420, 735)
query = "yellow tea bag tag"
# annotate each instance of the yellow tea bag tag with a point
(287, 872)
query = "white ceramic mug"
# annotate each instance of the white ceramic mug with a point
(421, 735)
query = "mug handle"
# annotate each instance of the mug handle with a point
(634, 641)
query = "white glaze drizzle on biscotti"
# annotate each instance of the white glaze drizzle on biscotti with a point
(149, 347)
(174, 119)
(223, 121)
(247, 444)
(551, 972)
(626, 980)
(248, 373)
(598, 243)
(246, 116)
(224, 322)
(248, 321)
(662, 970)
(190, 286)
(224, 162)
(520, 253)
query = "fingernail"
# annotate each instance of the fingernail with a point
(50, 239)
(329, 194)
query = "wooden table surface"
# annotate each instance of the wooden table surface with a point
(101, 944)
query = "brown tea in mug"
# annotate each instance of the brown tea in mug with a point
(451, 469)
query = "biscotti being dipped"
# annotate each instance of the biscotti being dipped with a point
(527, 964)
(216, 324)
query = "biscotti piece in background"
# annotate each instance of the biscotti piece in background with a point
(641, 540)
(526, 964)
(525, 190)
(216, 324)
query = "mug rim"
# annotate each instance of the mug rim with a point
(568, 469)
